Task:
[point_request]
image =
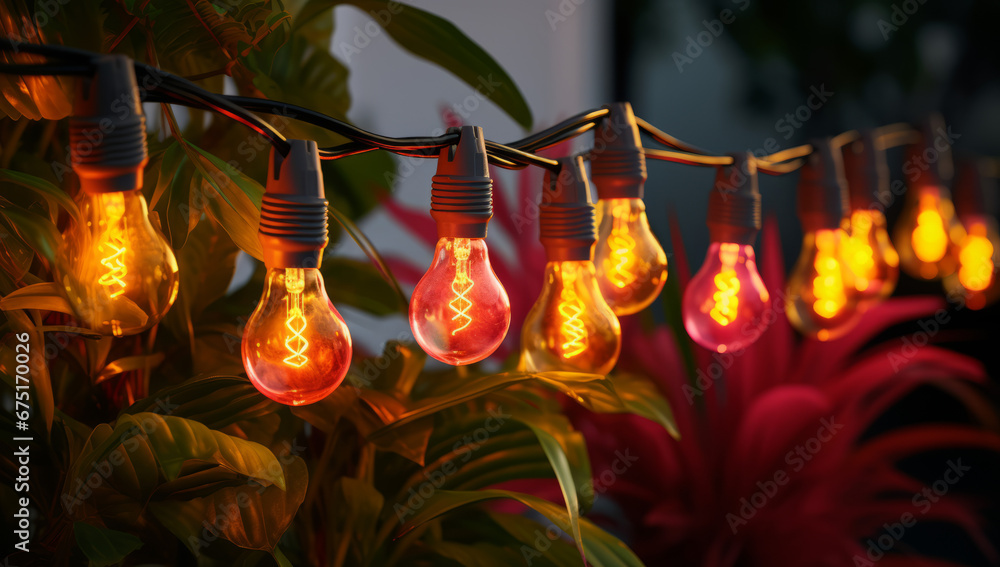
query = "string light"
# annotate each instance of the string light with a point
(570, 327)
(979, 250)
(631, 265)
(117, 271)
(927, 232)
(724, 304)
(867, 249)
(296, 346)
(822, 299)
(459, 312)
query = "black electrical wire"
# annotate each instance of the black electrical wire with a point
(668, 140)
(46, 50)
(52, 69)
(561, 131)
(184, 91)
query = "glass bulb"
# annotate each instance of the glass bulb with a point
(119, 273)
(725, 301)
(978, 255)
(927, 233)
(571, 327)
(631, 264)
(459, 311)
(870, 255)
(822, 299)
(296, 346)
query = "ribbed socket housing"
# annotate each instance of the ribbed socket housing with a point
(566, 213)
(867, 173)
(617, 162)
(293, 220)
(734, 210)
(822, 192)
(107, 132)
(462, 191)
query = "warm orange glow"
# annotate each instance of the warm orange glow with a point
(858, 253)
(112, 245)
(296, 347)
(975, 257)
(631, 265)
(828, 285)
(574, 332)
(930, 239)
(727, 285)
(570, 327)
(295, 320)
(870, 256)
(461, 304)
(622, 248)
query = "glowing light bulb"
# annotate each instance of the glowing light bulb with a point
(822, 297)
(725, 302)
(459, 311)
(927, 233)
(571, 327)
(870, 255)
(296, 346)
(978, 255)
(631, 264)
(118, 271)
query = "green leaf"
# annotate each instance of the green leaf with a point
(172, 196)
(44, 296)
(593, 391)
(231, 198)
(359, 284)
(373, 255)
(104, 546)
(42, 188)
(35, 230)
(172, 441)
(249, 516)
(215, 401)
(600, 548)
(358, 505)
(438, 41)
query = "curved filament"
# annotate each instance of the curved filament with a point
(828, 285)
(574, 332)
(461, 285)
(622, 246)
(295, 320)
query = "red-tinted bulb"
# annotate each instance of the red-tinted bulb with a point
(725, 302)
(459, 311)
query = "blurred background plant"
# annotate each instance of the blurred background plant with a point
(155, 448)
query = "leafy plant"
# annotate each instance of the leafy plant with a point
(156, 448)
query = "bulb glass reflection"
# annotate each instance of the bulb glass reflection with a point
(725, 302)
(570, 327)
(927, 234)
(118, 271)
(822, 298)
(870, 255)
(631, 264)
(459, 312)
(296, 346)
